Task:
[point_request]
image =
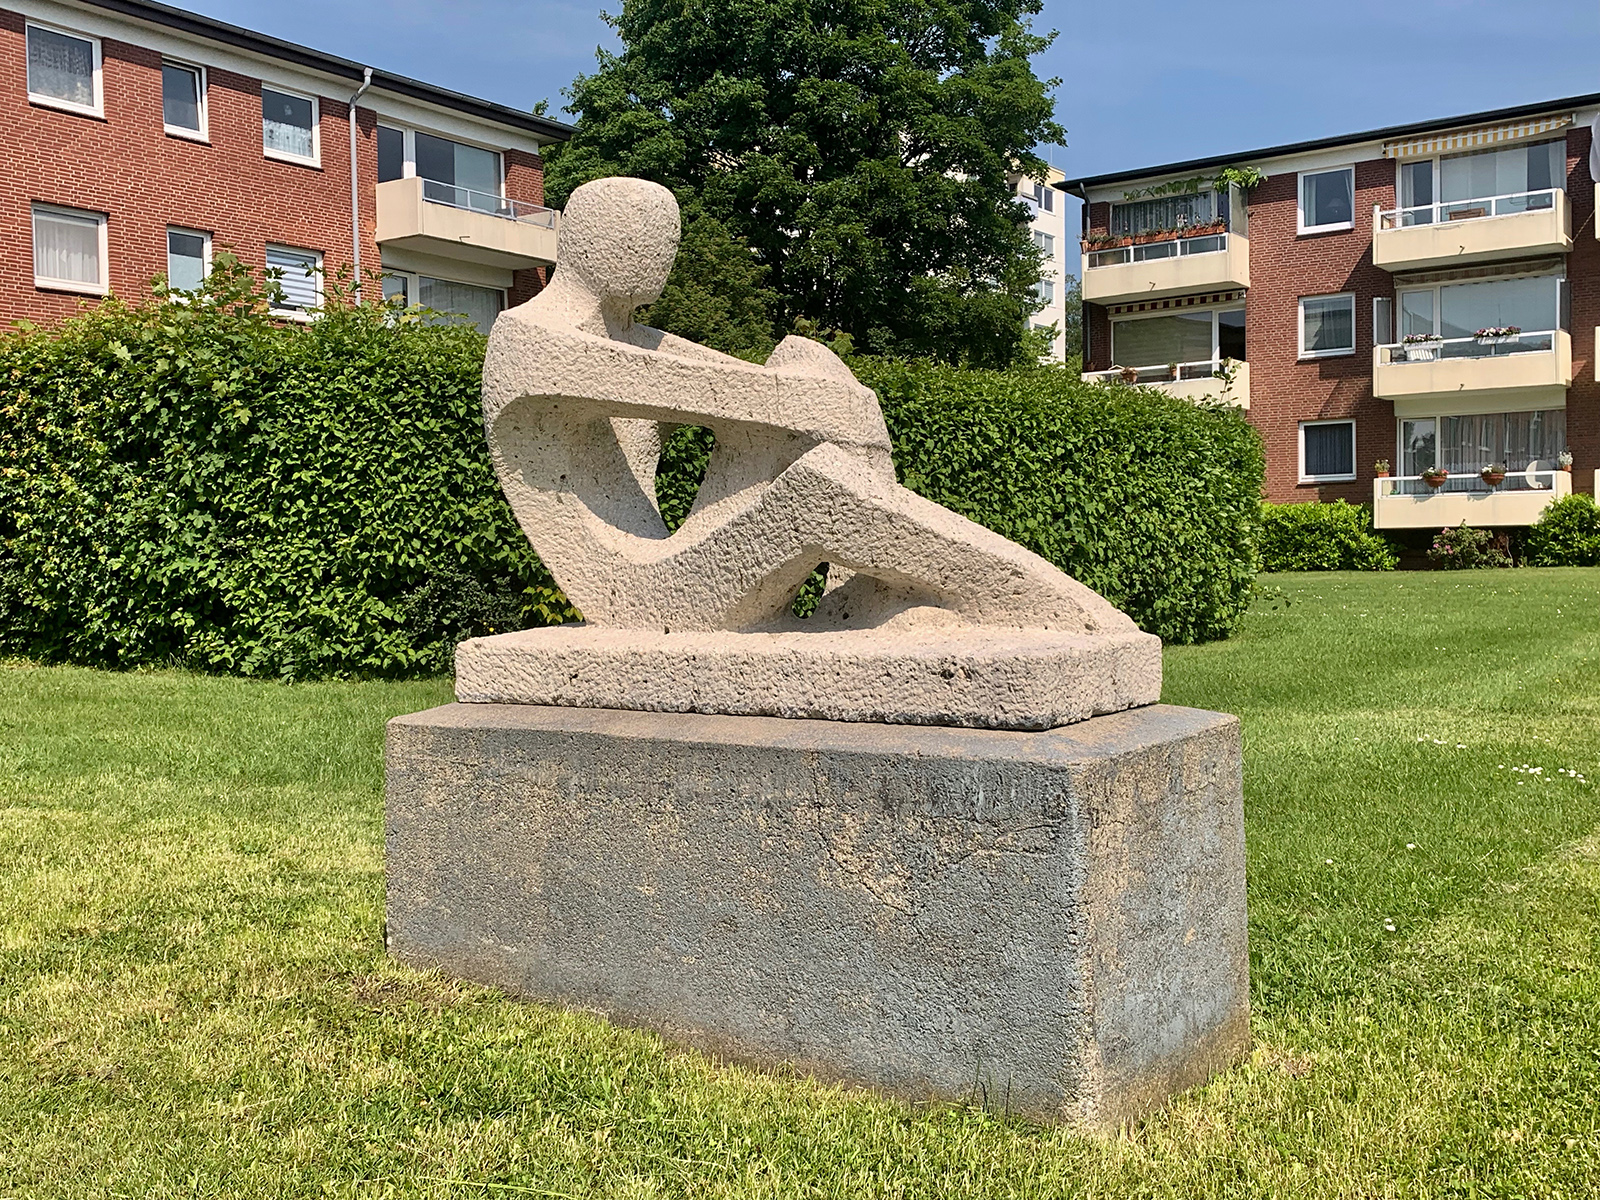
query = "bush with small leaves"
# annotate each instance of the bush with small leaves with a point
(1322, 537)
(1567, 534)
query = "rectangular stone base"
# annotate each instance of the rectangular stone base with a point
(1050, 923)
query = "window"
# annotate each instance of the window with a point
(1327, 451)
(1483, 183)
(1382, 321)
(289, 126)
(453, 173)
(299, 276)
(1168, 212)
(188, 259)
(1045, 242)
(467, 302)
(183, 99)
(69, 250)
(63, 70)
(1045, 290)
(1047, 197)
(1196, 336)
(1464, 445)
(1327, 326)
(1327, 200)
(1458, 310)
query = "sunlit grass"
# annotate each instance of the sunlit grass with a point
(194, 1001)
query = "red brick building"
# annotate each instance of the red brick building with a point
(1424, 296)
(143, 139)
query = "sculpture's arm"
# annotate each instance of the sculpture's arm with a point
(627, 380)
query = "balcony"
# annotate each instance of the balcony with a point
(1167, 266)
(1408, 502)
(1187, 381)
(453, 222)
(1472, 231)
(1518, 370)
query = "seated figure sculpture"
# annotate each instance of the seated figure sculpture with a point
(927, 617)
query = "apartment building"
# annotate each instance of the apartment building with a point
(1047, 224)
(1424, 296)
(144, 139)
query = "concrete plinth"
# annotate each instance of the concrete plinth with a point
(1051, 923)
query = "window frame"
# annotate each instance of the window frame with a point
(44, 283)
(205, 253)
(98, 108)
(413, 282)
(1301, 228)
(320, 276)
(202, 134)
(408, 154)
(1313, 355)
(1304, 425)
(1560, 278)
(316, 133)
(1215, 312)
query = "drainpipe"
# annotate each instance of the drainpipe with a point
(355, 192)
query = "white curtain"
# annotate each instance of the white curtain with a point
(479, 305)
(66, 248)
(1157, 341)
(1504, 172)
(61, 67)
(286, 124)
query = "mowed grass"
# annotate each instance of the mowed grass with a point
(194, 999)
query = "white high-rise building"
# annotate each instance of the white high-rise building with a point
(1048, 226)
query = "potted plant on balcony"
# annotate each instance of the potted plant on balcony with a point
(1381, 468)
(1127, 374)
(1564, 461)
(1498, 335)
(1422, 347)
(1434, 477)
(1494, 474)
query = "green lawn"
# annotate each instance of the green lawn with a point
(194, 1001)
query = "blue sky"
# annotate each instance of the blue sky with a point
(1143, 82)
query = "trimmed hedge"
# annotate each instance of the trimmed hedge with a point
(1567, 534)
(1151, 501)
(1322, 537)
(200, 485)
(197, 484)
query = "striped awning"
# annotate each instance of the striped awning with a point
(1473, 139)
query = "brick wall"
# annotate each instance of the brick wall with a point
(128, 167)
(1285, 391)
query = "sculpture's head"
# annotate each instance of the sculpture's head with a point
(618, 239)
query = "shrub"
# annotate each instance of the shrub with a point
(1151, 501)
(1567, 534)
(1322, 537)
(198, 484)
(1464, 548)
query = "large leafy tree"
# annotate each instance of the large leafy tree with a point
(857, 150)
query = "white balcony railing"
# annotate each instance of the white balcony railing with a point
(1539, 342)
(1407, 502)
(1210, 243)
(1468, 210)
(1469, 481)
(1166, 373)
(521, 211)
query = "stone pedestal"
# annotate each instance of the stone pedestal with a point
(1050, 923)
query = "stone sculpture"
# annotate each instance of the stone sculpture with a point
(617, 818)
(928, 617)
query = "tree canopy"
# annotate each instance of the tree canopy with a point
(858, 152)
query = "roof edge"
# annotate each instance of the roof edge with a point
(1393, 131)
(331, 64)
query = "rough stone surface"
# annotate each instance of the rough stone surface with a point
(1052, 923)
(980, 678)
(575, 395)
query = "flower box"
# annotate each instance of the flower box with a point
(1423, 352)
(1436, 478)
